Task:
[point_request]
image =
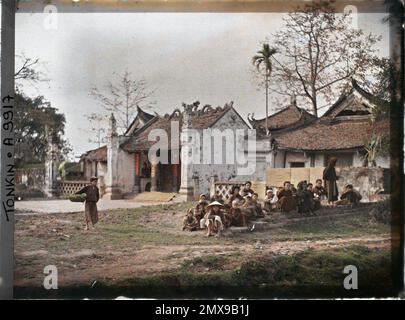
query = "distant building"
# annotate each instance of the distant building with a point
(298, 139)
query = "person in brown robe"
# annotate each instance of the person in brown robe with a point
(349, 196)
(330, 177)
(258, 205)
(90, 205)
(316, 201)
(246, 190)
(236, 216)
(319, 190)
(286, 201)
(190, 223)
(234, 195)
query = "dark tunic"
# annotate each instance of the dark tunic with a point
(320, 191)
(305, 201)
(90, 206)
(190, 223)
(351, 196)
(286, 201)
(330, 177)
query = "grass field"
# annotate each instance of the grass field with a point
(143, 253)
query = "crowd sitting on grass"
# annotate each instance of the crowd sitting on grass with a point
(242, 206)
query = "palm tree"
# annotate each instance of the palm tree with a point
(262, 61)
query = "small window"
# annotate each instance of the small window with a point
(297, 164)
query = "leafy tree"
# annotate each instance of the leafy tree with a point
(35, 119)
(319, 55)
(262, 62)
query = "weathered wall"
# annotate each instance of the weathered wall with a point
(126, 171)
(296, 157)
(368, 181)
(203, 173)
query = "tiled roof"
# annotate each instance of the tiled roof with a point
(202, 119)
(320, 136)
(336, 130)
(288, 117)
(142, 117)
(99, 154)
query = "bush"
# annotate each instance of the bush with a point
(381, 212)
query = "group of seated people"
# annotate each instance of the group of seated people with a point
(214, 216)
(306, 198)
(243, 205)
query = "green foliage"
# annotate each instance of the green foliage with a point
(376, 146)
(34, 116)
(263, 58)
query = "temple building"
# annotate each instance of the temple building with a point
(184, 143)
(298, 139)
(129, 167)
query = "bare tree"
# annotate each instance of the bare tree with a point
(319, 53)
(122, 98)
(97, 128)
(27, 70)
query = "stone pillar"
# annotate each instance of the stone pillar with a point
(154, 177)
(186, 141)
(175, 173)
(51, 168)
(112, 190)
(137, 180)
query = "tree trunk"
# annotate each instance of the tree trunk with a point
(267, 103)
(314, 102)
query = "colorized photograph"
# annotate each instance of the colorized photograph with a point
(196, 155)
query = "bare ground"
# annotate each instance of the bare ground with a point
(146, 241)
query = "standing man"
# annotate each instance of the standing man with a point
(90, 206)
(330, 177)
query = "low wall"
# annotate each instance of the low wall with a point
(66, 188)
(369, 181)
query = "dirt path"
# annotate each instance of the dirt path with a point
(86, 266)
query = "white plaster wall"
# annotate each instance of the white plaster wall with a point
(126, 171)
(319, 160)
(224, 172)
(297, 157)
(279, 159)
(357, 160)
(383, 162)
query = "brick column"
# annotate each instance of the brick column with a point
(137, 180)
(154, 177)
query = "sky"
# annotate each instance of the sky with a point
(184, 56)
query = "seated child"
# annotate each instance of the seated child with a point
(199, 211)
(270, 201)
(190, 223)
